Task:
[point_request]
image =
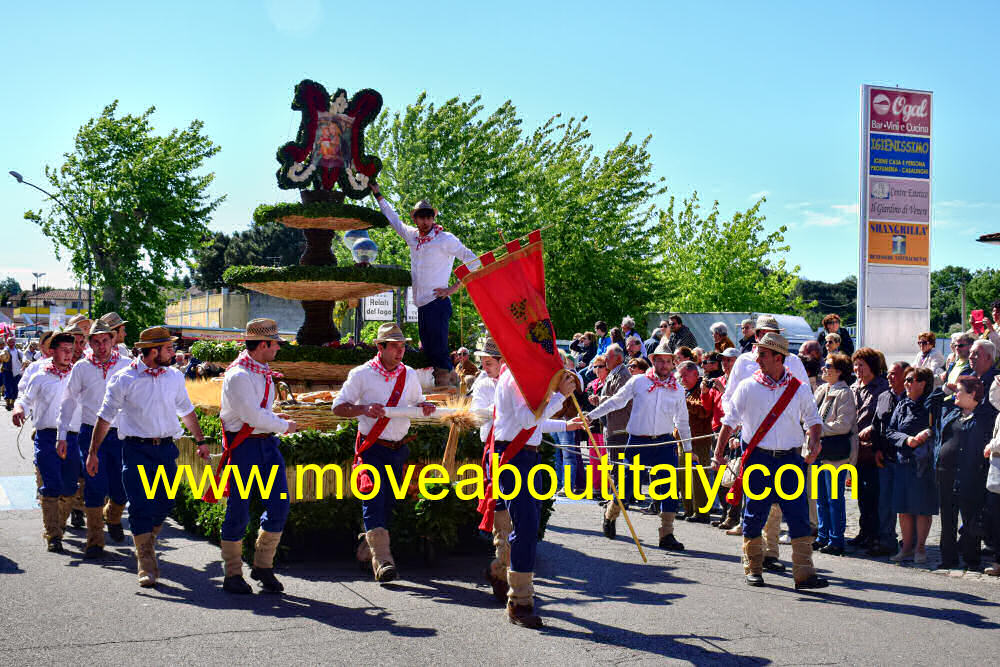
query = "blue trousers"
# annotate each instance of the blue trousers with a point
(795, 511)
(377, 511)
(48, 463)
(9, 384)
(649, 457)
(886, 517)
(432, 323)
(263, 454)
(568, 457)
(831, 513)
(70, 466)
(145, 513)
(107, 483)
(525, 510)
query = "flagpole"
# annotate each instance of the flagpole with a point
(611, 479)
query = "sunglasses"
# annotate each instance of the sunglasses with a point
(601, 366)
(827, 366)
(962, 345)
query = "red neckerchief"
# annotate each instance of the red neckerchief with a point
(106, 366)
(431, 235)
(154, 372)
(247, 362)
(669, 383)
(764, 379)
(50, 367)
(376, 365)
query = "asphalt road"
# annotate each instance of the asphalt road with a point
(599, 602)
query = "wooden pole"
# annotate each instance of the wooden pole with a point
(611, 480)
(450, 448)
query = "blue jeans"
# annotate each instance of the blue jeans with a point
(831, 512)
(886, 517)
(70, 466)
(262, 454)
(108, 480)
(432, 324)
(377, 511)
(48, 463)
(794, 511)
(649, 457)
(145, 513)
(9, 384)
(525, 510)
(566, 457)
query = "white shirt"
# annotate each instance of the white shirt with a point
(124, 351)
(513, 414)
(16, 360)
(366, 385)
(43, 396)
(751, 403)
(654, 413)
(431, 265)
(483, 394)
(146, 406)
(242, 391)
(84, 395)
(22, 384)
(746, 365)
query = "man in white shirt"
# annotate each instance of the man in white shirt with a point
(778, 446)
(658, 408)
(251, 441)
(10, 370)
(117, 324)
(517, 426)
(83, 396)
(42, 398)
(79, 327)
(746, 363)
(380, 444)
(433, 252)
(146, 398)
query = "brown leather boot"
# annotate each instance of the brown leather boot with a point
(496, 574)
(113, 519)
(95, 533)
(263, 561)
(753, 560)
(52, 529)
(521, 600)
(382, 563)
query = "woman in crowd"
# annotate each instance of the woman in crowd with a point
(992, 455)
(929, 357)
(871, 384)
(960, 435)
(832, 344)
(831, 325)
(720, 334)
(586, 348)
(567, 453)
(835, 403)
(914, 491)
(711, 365)
(684, 353)
(617, 337)
(599, 365)
(638, 366)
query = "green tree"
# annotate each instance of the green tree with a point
(946, 299)
(270, 244)
(210, 262)
(10, 286)
(840, 298)
(142, 205)
(982, 291)
(485, 175)
(711, 264)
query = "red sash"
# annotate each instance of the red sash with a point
(735, 494)
(365, 484)
(488, 504)
(228, 447)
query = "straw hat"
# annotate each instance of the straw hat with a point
(390, 332)
(155, 337)
(44, 339)
(662, 350)
(78, 325)
(423, 205)
(99, 326)
(487, 347)
(774, 342)
(262, 328)
(767, 322)
(113, 320)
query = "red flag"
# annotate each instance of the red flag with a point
(509, 294)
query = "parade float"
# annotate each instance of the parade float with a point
(329, 152)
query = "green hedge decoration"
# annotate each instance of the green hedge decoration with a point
(223, 352)
(237, 275)
(275, 212)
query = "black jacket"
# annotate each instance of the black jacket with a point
(908, 419)
(973, 433)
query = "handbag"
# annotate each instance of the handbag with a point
(731, 472)
(993, 477)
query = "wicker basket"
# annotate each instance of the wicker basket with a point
(314, 371)
(318, 290)
(339, 224)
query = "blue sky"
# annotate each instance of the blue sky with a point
(741, 99)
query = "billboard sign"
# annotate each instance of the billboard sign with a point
(380, 307)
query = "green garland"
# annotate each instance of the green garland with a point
(276, 212)
(224, 352)
(237, 275)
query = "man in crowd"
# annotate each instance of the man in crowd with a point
(146, 398)
(700, 407)
(371, 387)
(85, 393)
(982, 359)
(603, 339)
(960, 366)
(433, 252)
(812, 360)
(11, 369)
(466, 369)
(633, 347)
(746, 342)
(628, 330)
(657, 334)
(615, 435)
(680, 335)
(114, 322)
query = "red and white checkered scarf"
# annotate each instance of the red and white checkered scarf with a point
(376, 364)
(669, 383)
(153, 372)
(247, 362)
(50, 367)
(764, 379)
(430, 236)
(106, 366)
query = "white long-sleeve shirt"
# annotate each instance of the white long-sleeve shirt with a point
(365, 385)
(85, 394)
(752, 401)
(43, 395)
(483, 395)
(22, 384)
(16, 360)
(431, 263)
(746, 365)
(242, 391)
(513, 414)
(146, 406)
(654, 413)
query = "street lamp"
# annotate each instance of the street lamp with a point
(83, 235)
(34, 288)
